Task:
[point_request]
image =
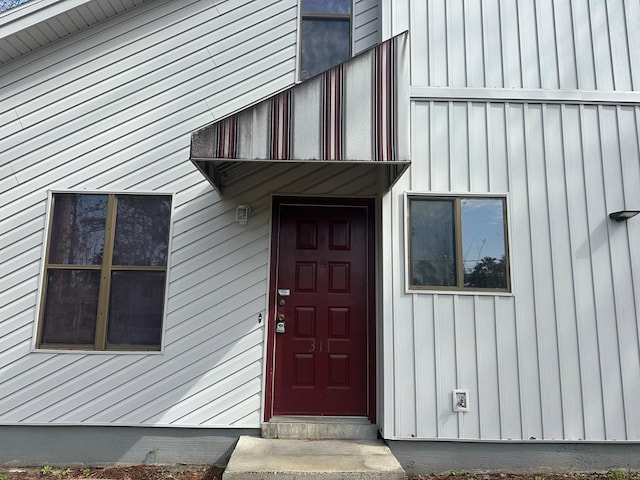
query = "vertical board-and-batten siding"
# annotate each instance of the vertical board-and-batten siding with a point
(111, 108)
(560, 358)
(542, 44)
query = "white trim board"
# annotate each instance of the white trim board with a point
(525, 95)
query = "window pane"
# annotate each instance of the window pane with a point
(135, 308)
(483, 243)
(71, 306)
(326, 6)
(325, 43)
(432, 243)
(142, 230)
(77, 236)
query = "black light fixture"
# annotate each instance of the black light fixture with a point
(623, 215)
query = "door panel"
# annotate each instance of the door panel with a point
(321, 291)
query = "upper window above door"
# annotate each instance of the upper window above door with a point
(325, 35)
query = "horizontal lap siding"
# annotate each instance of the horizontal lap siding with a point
(548, 44)
(366, 29)
(111, 108)
(560, 359)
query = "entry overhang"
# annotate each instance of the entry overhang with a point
(356, 112)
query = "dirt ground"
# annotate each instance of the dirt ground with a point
(204, 472)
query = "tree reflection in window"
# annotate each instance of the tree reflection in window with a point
(105, 272)
(78, 230)
(142, 230)
(483, 243)
(458, 243)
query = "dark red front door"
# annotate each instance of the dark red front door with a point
(322, 296)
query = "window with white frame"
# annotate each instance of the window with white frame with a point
(105, 272)
(457, 243)
(325, 39)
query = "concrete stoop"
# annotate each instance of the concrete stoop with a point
(263, 458)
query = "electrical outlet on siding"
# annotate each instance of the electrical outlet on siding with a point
(460, 400)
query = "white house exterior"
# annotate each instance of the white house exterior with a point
(531, 104)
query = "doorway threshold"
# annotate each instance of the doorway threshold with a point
(319, 428)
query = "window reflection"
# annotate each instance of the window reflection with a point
(483, 243)
(77, 235)
(135, 308)
(96, 299)
(142, 230)
(326, 6)
(325, 43)
(432, 243)
(71, 306)
(458, 242)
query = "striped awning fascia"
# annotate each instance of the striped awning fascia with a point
(355, 112)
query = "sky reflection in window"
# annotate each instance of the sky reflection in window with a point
(325, 43)
(482, 230)
(326, 6)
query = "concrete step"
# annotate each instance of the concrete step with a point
(262, 459)
(314, 428)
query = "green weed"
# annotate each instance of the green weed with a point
(617, 474)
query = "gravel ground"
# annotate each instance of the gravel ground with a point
(204, 472)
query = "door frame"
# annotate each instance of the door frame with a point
(369, 203)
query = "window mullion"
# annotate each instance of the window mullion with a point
(105, 275)
(458, 238)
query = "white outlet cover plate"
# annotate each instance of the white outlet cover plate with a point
(454, 400)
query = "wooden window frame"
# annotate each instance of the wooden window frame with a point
(322, 16)
(457, 227)
(106, 268)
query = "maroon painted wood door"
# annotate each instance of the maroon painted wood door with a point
(320, 365)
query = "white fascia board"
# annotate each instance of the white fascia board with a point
(34, 12)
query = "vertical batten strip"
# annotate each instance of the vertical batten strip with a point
(633, 42)
(544, 275)
(618, 45)
(500, 361)
(489, 147)
(456, 358)
(437, 361)
(572, 266)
